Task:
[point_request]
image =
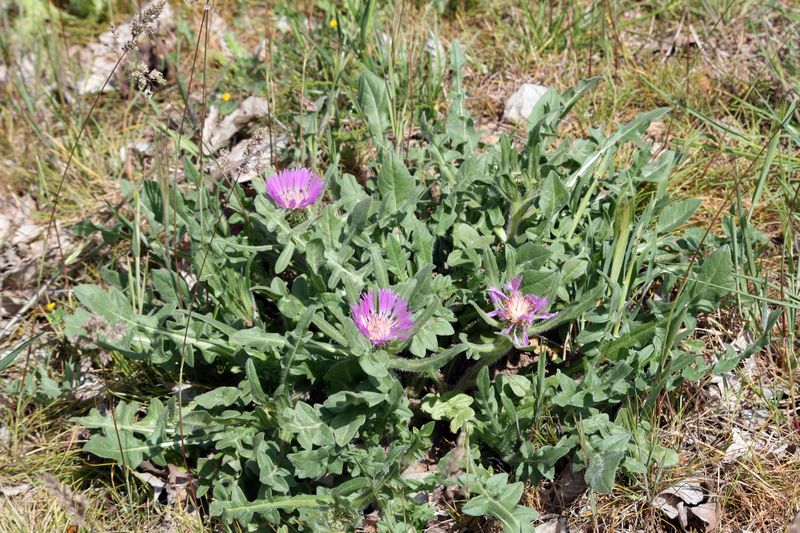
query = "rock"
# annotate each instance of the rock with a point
(520, 104)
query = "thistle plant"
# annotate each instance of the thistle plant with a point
(308, 420)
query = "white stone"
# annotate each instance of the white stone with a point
(520, 104)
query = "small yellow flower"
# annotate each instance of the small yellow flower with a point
(226, 96)
(333, 24)
(51, 306)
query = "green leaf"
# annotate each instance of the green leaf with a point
(397, 256)
(359, 215)
(257, 338)
(587, 301)
(573, 269)
(379, 267)
(674, 215)
(553, 195)
(395, 183)
(305, 423)
(285, 258)
(255, 383)
(714, 278)
(520, 385)
(219, 397)
(374, 102)
(602, 469)
(500, 499)
(11, 355)
(119, 441)
(345, 426)
(313, 464)
(635, 126)
(171, 287)
(468, 237)
(127, 450)
(375, 363)
(638, 334)
(237, 509)
(110, 304)
(456, 408)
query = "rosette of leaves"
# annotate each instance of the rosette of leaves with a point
(301, 421)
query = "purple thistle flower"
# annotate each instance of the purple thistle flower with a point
(390, 321)
(518, 310)
(295, 188)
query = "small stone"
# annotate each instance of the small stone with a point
(520, 104)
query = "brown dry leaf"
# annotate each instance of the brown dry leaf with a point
(180, 486)
(684, 501)
(567, 487)
(15, 490)
(370, 524)
(74, 503)
(794, 527)
(556, 525)
(709, 513)
(21, 246)
(155, 482)
(217, 130)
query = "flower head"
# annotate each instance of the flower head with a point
(390, 320)
(295, 188)
(333, 24)
(518, 310)
(225, 97)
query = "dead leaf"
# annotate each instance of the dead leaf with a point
(794, 527)
(709, 513)
(556, 525)
(180, 487)
(567, 487)
(74, 503)
(739, 446)
(688, 490)
(218, 31)
(15, 490)
(218, 131)
(687, 501)
(155, 482)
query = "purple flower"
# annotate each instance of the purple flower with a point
(390, 321)
(518, 310)
(295, 188)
